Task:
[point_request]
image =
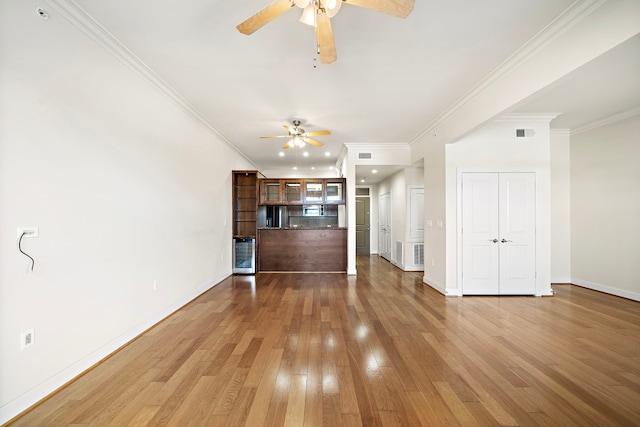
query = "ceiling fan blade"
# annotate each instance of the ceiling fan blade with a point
(399, 8)
(324, 36)
(289, 129)
(266, 15)
(313, 142)
(287, 145)
(278, 136)
(318, 133)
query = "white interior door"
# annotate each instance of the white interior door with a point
(498, 233)
(517, 233)
(384, 217)
(480, 243)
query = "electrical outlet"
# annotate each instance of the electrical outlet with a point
(27, 339)
(29, 232)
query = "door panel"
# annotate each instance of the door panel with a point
(517, 233)
(363, 225)
(479, 230)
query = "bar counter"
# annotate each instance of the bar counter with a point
(302, 249)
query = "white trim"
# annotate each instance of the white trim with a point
(80, 19)
(560, 131)
(606, 289)
(377, 146)
(570, 17)
(528, 117)
(562, 280)
(435, 285)
(352, 272)
(23, 402)
(606, 121)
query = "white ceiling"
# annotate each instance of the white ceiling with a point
(392, 78)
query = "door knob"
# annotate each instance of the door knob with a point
(505, 241)
(494, 240)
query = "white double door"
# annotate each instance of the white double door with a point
(498, 233)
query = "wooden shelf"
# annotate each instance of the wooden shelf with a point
(245, 203)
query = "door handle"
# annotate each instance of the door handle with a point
(506, 241)
(494, 240)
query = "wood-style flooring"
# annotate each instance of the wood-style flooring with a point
(379, 349)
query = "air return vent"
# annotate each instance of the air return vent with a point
(364, 155)
(418, 254)
(525, 133)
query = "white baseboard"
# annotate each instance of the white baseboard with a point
(435, 285)
(20, 404)
(352, 272)
(606, 289)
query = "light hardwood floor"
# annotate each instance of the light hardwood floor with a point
(377, 349)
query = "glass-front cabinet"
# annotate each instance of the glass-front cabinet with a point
(313, 192)
(334, 191)
(292, 191)
(270, 191)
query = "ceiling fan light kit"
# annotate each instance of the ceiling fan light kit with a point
(298, 137)
(318, 13)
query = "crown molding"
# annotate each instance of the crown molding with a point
(606, 121)
(528, 117)
(560, 131)
(570, 17)
(80, 19)
(378, 146)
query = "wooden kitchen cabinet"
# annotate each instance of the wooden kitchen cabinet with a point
(280, 191)
(302, 191)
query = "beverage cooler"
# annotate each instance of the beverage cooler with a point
(244, 255)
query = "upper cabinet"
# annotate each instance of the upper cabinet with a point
(302, 191)
(334, 191)
(313, 191)
(292, 191)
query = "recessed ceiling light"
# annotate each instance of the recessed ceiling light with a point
(362, 180)
(374, 171)
(327, 154)
(281, 154)
(313, 168)
(306, 154)
(295, 168)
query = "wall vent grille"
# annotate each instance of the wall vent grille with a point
(399, 250)
(364, 156)
(525, 133)
(418, 254)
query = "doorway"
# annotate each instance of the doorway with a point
(498, 233)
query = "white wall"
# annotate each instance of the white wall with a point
(560, 207)
(125, 188)
(605, 207)
(495, 148)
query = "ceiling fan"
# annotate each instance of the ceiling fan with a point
(318, 13)
(299, 137)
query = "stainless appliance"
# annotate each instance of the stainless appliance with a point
(244, 255)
